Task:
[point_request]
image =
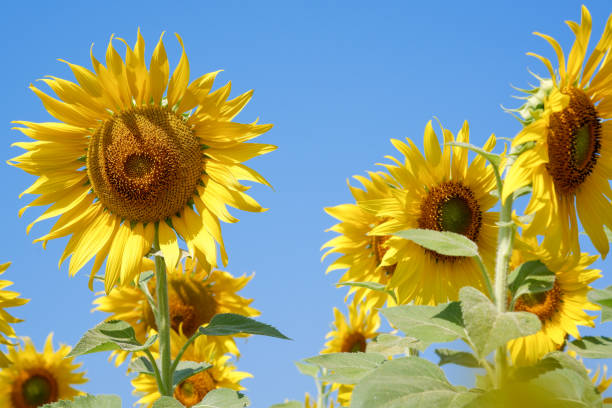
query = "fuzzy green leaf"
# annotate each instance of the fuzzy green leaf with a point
(530, 277)
(88, 401)
(141, 365)
(443, 242)
(592, 347)
(603, 297)
(167, 402)
(226, 324)
(223, 398)
(110, 335)
(186, 369)
(347, 368)
(390, 345)
(307, 369)
(289, 404)
(461, 358)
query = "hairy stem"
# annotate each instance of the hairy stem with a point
(163, 320)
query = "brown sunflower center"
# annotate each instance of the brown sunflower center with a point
(450, 206)
(380, 247)
(35, 389)
(144, 163)
(194, 389)
(574, 142)
(543, 304)
(354, 342)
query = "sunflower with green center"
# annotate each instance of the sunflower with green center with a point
(361, 253)
(562, 308)
(34, 379)
(195, 296)
(437, 192)
(7, 299)
(569, 165)
(222, 374)
(126, 163)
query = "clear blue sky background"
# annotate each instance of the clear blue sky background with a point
(338, 80)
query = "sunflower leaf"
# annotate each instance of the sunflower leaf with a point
(108, 336)
(141, 365)
(493, 158)
(592, 347)
(307, 369)
(529, 278)
(461, 358)
(347, 368)
(167, 402)
(378, 287)
(223, 398)
(88, 401)
(390, 345)
(288, 404)
(226, 324)
(603, 297)
(443, 242)
(186, 369)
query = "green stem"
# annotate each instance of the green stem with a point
(163, 320)
(485, 275)
(177, 360)
(158, 379)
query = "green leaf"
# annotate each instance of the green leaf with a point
(378, 287)
(443, 242)
(390, 345)
(592, 347)
(568, 389)
(167, 402)
(289, 404)
(347, 368)
(141, 365)
(408, 382)
(429, 324)
(603, 297)
(489, 329)
(530, 277)
(461, 358)
(307, 369)
(223, 398)
(186, 369)
(88, 401)
(110, 335)
(226, 324)
(493, 158)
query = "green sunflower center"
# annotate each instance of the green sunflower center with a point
(194, 389)
(34, 390)
(144, 163)
(574, 142)
(455, 215)
(544, 304)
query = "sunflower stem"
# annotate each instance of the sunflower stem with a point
(485, 276)
(183, 349)
(163, 320)
(158, 379)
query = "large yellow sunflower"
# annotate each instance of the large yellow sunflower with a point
(570, 165)
(222, 374)
(34, 379)
(560, 309)
(194, 298)
(437, 192)
(361, 253)
(7, 299)
(124, 161)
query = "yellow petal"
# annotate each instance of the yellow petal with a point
(169, 245)
(180, 78)
(159, 70)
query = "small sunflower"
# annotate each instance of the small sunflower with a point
(7, 299)
(437, 192)
(570, 164)
(222, 374)
(602, 383)
(361, 253)
(194, 298)
(125, 161)
(560, 309)
(34, 379)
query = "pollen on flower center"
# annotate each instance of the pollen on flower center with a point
(34, 390)
(574, 142)
(194, 389)
(144, 163)
(354, 342)
(544, 304)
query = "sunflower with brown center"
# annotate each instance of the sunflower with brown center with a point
(195, 296)
(570, 164)
(361, 253)
(561, 309)
(437, 192)
(34, 379)
(126, 162)
(222, 374)
(7, 299)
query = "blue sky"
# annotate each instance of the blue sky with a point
(337, 79)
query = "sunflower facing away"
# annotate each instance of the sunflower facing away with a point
(560, 309)
(35, 379)
(194, 298)
(7, 299)
(437, 192)
(222, 374)
(124, 161)
(361, 253)
(570, 164)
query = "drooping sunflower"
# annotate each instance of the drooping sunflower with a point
(361, 253)
(34, 379)
(7, 299)
(570, 164)
(437, 192)
(222, 374)
(560, 309)
(194, 297)
(125, 161)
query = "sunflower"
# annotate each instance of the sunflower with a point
(126, 163)
(569, 165)
(194, 298)
(310, 403)
(441, 194)
(602, 384)
(562, 308)
(34, 379)
(222, 374)
(7, 299)
(361, 253)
